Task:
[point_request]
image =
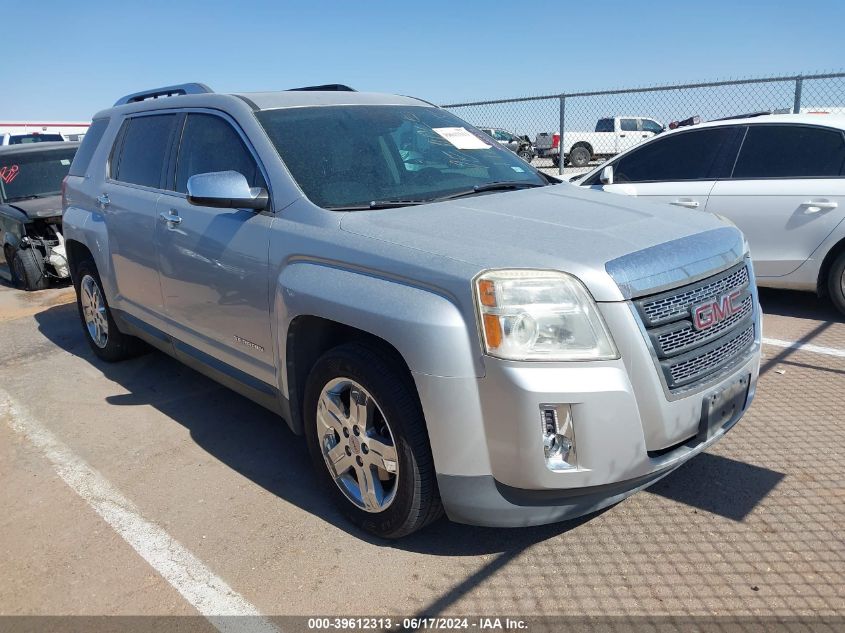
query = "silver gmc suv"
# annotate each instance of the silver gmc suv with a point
(450, 329)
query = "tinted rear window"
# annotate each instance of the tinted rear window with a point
(144, 147)
(21, 139)
(89, 144)
(791, 151)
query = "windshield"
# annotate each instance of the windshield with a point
(350, 156)
(33, 174)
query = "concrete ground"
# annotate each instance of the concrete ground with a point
(102, 466)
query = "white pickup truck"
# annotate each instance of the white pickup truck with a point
(611, 136)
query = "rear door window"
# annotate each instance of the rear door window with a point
(146, 141)
(209, 144)
(604, 125)
(697, 155)
(791, 151)
(628, 125)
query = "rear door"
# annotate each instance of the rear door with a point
(214, 262)
(128, 202)
(679, 168)
(786, 193)
(628, 134)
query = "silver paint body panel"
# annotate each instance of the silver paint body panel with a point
(404, 275)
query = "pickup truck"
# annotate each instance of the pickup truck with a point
(611, 136)
(450, 329)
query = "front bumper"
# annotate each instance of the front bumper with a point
(487, 443)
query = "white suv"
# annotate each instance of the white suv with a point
(779, 178)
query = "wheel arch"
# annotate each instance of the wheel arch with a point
(585, 144)
(308, 338)
(318, 307)
(827, 264)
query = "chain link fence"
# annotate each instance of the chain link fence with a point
(600, 124)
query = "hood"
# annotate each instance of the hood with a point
(592, 235)
(36, 208)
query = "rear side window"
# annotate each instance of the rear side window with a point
(790, 151)
(89, 144)
(210, 144)
(628, 125)
(697, 155)
(146, 141)
(604, 125)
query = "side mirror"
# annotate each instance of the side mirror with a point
(606, 176)
(225, 190)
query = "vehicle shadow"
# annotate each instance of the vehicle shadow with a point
(800, 305)
(258, 445)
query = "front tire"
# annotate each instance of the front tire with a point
(28, 269)
(368, 441)
(836, 283)
(105, 340)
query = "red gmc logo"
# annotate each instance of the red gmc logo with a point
(709, 314)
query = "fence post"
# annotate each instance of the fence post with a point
(560, 143)
(796, 104)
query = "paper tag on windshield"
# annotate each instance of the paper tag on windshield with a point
(65, 161)
(461, 138)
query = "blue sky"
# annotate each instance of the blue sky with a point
(78, 57)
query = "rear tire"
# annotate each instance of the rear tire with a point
(105, 340)
(556, 160)
(579, 156)
(836, 283)
(381, 442)
(28, 269)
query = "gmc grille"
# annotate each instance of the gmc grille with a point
(686, 355)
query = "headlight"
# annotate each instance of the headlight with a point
(540, 315)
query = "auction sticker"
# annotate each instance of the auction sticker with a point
(461, 138)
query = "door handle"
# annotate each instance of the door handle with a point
(172, 218)
(686, 202)
(623, 135)
(103, 199)
(814, 206)
(645, 135)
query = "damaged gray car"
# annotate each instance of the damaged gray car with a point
(31, 178)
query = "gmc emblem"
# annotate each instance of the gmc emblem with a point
(716, 310)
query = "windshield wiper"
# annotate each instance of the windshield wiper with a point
(379, 204)
(505, 185)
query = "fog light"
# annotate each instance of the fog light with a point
(558, 432)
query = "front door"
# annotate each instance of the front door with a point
(214, 262)
(679, 169)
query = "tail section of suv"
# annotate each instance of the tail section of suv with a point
(448, 329)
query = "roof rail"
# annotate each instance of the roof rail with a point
(326, 88)
(749, 115)
(167, 91)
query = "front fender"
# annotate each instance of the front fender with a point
(426, 328)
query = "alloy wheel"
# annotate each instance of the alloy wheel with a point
(94, 311)
(358, 445)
